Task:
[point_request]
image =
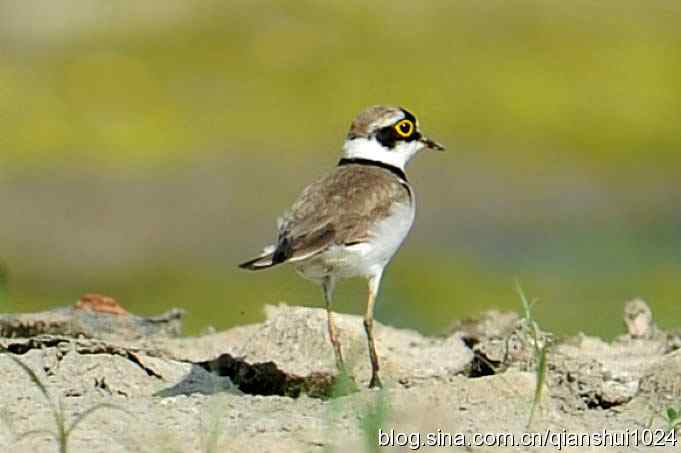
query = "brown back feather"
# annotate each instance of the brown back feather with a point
(338, 209)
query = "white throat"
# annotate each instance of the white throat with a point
(371, 149)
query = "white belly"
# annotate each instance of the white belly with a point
(366, 258)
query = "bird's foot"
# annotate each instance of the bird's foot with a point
(375, 382)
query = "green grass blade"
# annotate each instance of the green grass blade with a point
(34, 378)
(375, 416)
(92, 410)
(539, 387)
(539, 352)
(35, 432)
(526, 304)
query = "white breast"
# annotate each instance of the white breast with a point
(387, 236)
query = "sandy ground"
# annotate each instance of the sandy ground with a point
(270, 387)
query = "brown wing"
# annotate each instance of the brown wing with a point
(337, 209)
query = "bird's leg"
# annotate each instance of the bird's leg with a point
(374, 282)
(328, 286)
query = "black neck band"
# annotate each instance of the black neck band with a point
(359, 161)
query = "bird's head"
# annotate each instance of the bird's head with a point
(386, 134)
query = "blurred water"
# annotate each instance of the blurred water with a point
(173, 239)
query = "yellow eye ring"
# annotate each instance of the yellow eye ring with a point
(404, 128)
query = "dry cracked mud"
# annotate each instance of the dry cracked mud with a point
(271, 387)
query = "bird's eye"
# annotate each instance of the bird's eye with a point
(404, 128)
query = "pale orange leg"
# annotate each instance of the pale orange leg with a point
(369, 329)
(328, 285)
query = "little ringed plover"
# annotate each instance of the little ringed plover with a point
(352, 221)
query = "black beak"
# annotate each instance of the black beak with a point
(432, 144)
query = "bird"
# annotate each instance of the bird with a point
(351, 222)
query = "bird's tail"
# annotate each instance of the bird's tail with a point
(259, 263)
(265, 260)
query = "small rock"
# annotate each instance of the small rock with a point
(638, 317)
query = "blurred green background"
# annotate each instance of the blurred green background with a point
(147, 147)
